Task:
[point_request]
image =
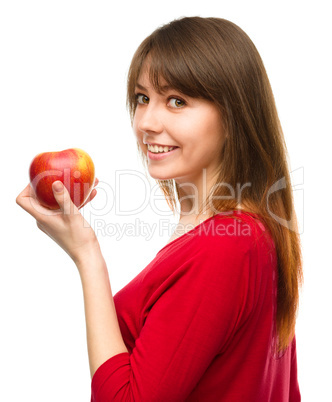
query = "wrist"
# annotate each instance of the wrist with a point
(92, 270)
(89, 256)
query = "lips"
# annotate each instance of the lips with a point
(160, 155)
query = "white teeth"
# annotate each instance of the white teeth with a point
(158, 149)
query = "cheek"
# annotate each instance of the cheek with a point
(204, 137)
(135, 126)
(137, 132)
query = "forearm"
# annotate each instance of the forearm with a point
(104, 338)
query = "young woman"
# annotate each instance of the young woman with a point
(212, 317)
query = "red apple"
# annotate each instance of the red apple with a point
(73, 167)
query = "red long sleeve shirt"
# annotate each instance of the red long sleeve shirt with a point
(199, 322)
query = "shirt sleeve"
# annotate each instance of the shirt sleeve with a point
(202, 305)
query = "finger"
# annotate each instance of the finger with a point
(92, 194)
(63, 199)
(21, 199)
(28, 191)
(27, 200)
(90, 198)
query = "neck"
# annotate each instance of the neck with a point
(193, 195)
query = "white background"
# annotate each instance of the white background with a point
(63, 84)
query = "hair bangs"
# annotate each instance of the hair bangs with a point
(170, 70)
(170, 64)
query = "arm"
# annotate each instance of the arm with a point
(71, 232)
(104, 338)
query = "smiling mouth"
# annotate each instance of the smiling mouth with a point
(156, 149)
(158, 156)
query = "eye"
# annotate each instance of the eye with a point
(176, 102)
(142, 99)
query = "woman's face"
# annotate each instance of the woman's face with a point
(171, 119)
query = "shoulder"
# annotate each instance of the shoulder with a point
(233, 241)
(239, 229)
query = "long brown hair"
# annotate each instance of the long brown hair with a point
(214, 59)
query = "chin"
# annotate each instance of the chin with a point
(159, 176)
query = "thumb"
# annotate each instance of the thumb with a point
(62, 197)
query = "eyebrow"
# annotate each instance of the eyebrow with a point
(139, 86)
(163, 88)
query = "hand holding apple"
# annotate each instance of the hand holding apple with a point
(73, 167)
(58, 216)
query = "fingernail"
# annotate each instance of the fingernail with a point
(58, 186)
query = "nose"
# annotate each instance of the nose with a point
(148, 119)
